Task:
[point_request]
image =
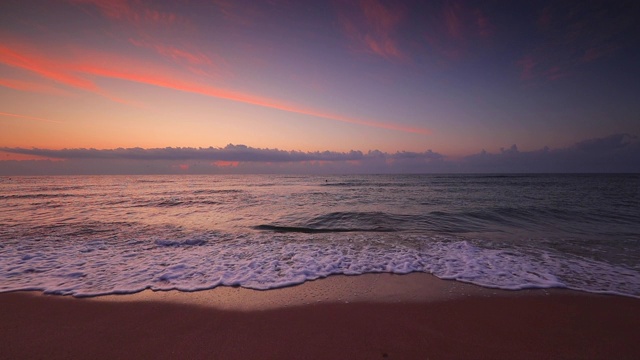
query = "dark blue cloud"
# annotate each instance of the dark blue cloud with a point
(615, 153)
(229, 153)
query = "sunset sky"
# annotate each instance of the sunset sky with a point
(105, 86)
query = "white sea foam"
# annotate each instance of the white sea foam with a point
(266, 260)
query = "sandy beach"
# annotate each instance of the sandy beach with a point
(379, 316)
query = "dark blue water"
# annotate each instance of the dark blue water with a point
(96, 235)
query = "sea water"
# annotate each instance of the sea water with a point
(93, 235)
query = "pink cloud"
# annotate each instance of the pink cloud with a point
(143, 20)
(115, 9)
(372, 27)
(158, 17)
(459, 26)
(379, 16)
(43, 66)
(32, 87)
(133, 11)
(86, 63)
(452, 19)
(463, 22)
(241, 14)
(111, 67)
(50, 68)
(178, 55)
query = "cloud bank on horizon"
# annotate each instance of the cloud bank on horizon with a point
(616, 153)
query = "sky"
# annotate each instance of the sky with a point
(371, 86)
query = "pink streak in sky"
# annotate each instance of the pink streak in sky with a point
(111, 66)
(165, 80)
(31, 87)
(29, 117)
(43, 67)
(174, 53)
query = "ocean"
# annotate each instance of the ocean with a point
(95, 235)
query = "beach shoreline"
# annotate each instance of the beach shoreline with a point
(372, 316)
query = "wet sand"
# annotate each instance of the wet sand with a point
(415, 316)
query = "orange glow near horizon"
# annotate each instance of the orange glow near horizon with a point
(222, 163)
